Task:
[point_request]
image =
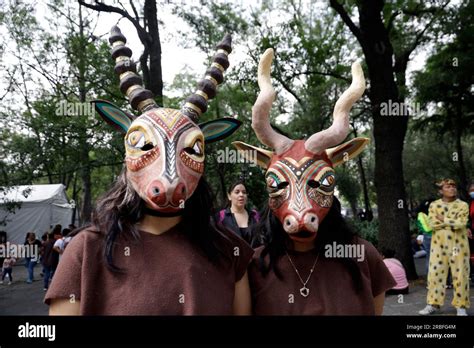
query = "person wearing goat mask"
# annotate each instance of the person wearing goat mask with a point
(153, 248)
(310, 263)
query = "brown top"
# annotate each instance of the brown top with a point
(332, 290)
(165, 275)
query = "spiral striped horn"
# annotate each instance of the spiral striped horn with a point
(131, 84)
(196, 104)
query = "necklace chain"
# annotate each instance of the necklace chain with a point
(304, 290)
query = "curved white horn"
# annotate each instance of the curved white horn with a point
(339, 129)
(261, 109)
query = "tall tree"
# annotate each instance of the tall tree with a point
(382, 38)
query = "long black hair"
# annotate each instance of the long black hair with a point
(269, 232)
(119, 210)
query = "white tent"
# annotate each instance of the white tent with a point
(41, 206)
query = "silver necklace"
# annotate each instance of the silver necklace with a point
(304, 291)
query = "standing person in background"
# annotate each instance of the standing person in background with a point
(448, 217)
(424, 226)
(48, 260)
(60, 243)
(236, 217)
(34, 246)
(3, 241)
(44, 239)
(57, 235)
(7, 269)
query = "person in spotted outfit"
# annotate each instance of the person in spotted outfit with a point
(449, 250)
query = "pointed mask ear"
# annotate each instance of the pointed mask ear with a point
(113, 115)
(252, 153)
(219, 129)
(346, 151)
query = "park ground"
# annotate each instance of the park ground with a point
(21, 298)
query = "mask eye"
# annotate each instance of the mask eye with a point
(196, 149)
(272, 183)
(313, 183)
(328, 181)
(137, 140)
(282, 185)
(147, 147)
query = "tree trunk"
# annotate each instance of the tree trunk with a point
(461, 165)
(86, 209)
(389, 131)
(153, 80)
(74, 197)
(365, 190)
(354, 209)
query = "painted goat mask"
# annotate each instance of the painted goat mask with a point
(300, 174)
(165, 147)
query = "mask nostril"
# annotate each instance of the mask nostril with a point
(156, 191)
(313, 219)
(183, 190)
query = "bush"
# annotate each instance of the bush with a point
(365, 229)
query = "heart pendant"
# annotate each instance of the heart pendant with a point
(304, 291)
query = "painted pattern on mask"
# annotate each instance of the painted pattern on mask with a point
(152, 144)
(170, 125)
(299, 185)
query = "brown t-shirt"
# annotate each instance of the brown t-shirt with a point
(332, 290)
(164, 275)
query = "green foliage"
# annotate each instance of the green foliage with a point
(348, 183)
(54, 136)
(366, 230)
(444, 89)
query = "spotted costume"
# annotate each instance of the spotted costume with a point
(449, 249)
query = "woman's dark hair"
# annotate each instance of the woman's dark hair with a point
(424, 206)
(66, 232)
(269, 232)
(57, 229)
(28, 234)
(234, 184)
(119, 210)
